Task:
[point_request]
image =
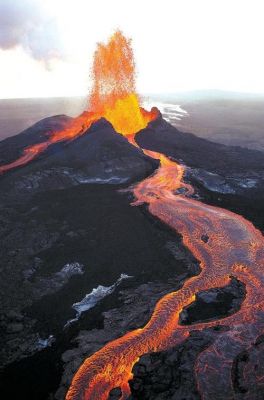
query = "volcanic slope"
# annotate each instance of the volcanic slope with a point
(226, 244)
(225, 176)
(12, 147)
(30, 193)
(65, 207)
(98, 156)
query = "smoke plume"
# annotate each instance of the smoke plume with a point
(26, 23)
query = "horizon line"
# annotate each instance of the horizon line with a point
(147, 94)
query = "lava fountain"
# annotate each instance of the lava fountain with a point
(113, 96)
(235, 248)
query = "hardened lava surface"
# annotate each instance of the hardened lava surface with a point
(233, 248)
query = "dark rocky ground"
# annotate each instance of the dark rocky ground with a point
(170, 374)
(197, 152)
(101, 156)
(226, 176)
(54, 213)
(11, 147)
(223, 117)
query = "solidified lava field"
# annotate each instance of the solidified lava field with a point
(111, 240)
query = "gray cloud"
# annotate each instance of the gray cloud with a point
(27, 24)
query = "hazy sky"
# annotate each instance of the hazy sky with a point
(46, 46)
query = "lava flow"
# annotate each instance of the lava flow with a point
(113, 96)
(234, 248)
(75, 128)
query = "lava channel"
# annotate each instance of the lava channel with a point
(235, 247)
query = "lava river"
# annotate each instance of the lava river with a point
(235, 248)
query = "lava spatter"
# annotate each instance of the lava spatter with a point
(114, 93)
(113, 96)
(235, 247)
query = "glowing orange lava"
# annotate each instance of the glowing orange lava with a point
(75, 128)
(235, 248)
(114, 91)
(113, 96)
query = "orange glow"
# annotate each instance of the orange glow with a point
(229, 251)
(114, 90)
(234, 247)
(113, 96)
(75, 128)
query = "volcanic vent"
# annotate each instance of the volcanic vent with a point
(233, 246)
(113, 97)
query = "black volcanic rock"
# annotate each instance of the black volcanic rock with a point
(196, 152)
(115, 394)
(99, 156)
(225, 176)
(169, 375)
(214, 303)
(248, 371)
(92, 225)
(53, 214)
(11, 148)
(104, 155)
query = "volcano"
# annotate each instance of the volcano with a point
(132, 254)
(113, 96)
(100, 155)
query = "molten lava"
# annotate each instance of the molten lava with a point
(114, 91)
(113, 96)
(234, 247)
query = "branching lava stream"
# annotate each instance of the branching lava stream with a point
(234, 248)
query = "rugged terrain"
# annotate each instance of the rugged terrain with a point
(67, 228)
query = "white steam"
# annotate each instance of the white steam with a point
(28, 24)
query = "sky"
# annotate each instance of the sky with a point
(46, 46)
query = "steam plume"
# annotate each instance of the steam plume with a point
(26, 23)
